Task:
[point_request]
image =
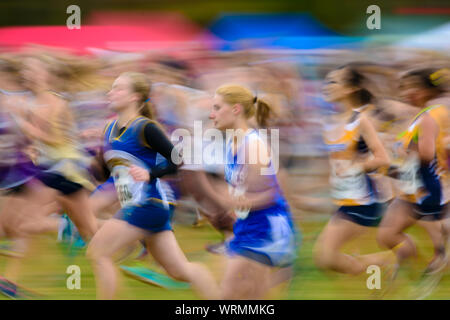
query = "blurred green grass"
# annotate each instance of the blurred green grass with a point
(44, 270)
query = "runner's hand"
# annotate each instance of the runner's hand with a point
(139, 174)
(241, 203)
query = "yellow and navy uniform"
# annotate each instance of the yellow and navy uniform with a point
(384, 125)
(64, 163)
(351, 188)
(424, 185)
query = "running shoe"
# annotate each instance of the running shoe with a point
(426, 286)
(77, 244)
(389, 275)
(6, 249)
(437, 265)
(430, 279)
(16, 292)
(69, 237)
(8, 288)
(199, 221)
(154, 278)
(65, 229)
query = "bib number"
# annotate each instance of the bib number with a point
(124, 194)
(237, 192)
(125, 186)
(346, 182)
(408, 178)
(237, 189)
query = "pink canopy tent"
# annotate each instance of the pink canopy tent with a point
(113, 31)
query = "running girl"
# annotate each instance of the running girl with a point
(138, 153)
(49, 124)
(347, 136)
(264, 236)
(420, 170)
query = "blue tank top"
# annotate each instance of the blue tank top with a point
(235, 174)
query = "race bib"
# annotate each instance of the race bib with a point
(128, 190)
(347, 182)
(237, 192)
(238, 188)
(408, 178)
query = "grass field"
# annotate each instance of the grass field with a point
(45, 270)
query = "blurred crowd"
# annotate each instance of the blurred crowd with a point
(182, 84)
(306, 89)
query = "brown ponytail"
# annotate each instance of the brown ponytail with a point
(9, 65)
(263, 112)
(146, 110)
(430, 78)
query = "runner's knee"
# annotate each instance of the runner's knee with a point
(180, 273)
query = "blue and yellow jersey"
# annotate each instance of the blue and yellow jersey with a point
(349, 185)
(65, 156)
(266, 235)
(123, 149)
(413, 178)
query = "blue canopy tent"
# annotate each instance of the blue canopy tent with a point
(318, 42)
(280, 30)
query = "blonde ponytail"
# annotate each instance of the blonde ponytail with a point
(233, 94)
